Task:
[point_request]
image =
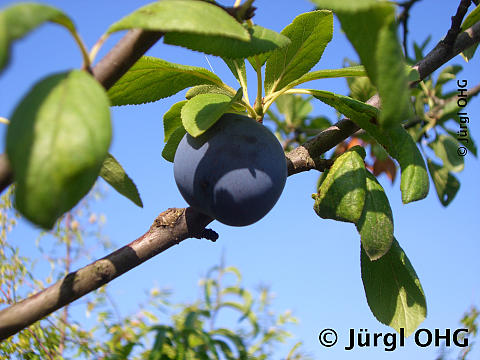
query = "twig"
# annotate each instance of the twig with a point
(50, 356)
(403, 19)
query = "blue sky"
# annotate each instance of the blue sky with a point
(312, 265)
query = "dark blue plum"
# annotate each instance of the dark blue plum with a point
(234, 172)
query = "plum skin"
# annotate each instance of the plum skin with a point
(234, 172)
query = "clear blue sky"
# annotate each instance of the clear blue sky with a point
(311, 264)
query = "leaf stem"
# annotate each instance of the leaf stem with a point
(83, 49)
(237, 3)
(259, 101)
(4, 121)
(96, 48)
(242, 82)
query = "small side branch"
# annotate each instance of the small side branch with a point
(403, 19)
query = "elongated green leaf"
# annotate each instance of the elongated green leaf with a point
(309, 34)
(214, 89)
(57, 142)
(445, 147)
(351, 71)
(171, 146)
(151, 79)
(262, 40)
(4, 42)
(471, 19)
(447, 74)
(207, 89)
(112, 172)
(469, 53)
(393, 290)
(376, 223)
(361, 88)
(446, 184)
(396, 140)
(18, 20)
(341, 196)
(204, 110)
(371, 28)
(186, 16)
(346, 5)
(172, 119)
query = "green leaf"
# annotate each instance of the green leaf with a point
(445, 147)
(151, 79)
(371, 28)
(294, 107)
(172, 119)
(185, 16)
(376, 223)
(346, 105)
(171, 146)
(57, 142)
(213, 89)
(394, 293)
(346, 5)
(469, 53)
(112, 172)
(352, 71)
(261, 40)
(447, 74)
(309, 34)
(341, 196)
(471, 19)
(207, 89)
(446, 184)
(361, 88)
(18, 20)
(396, 141)
(204, 110)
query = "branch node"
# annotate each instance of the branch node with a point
(168, 218)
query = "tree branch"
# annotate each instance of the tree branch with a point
(123, 55)
(175, 225)
(441, 53)
(169, 228)
(456, 23)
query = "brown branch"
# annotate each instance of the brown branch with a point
(175, 225)
(169, 228)
(123, 55)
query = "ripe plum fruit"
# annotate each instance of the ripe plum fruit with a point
(234, 172)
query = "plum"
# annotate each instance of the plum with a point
(234, 172)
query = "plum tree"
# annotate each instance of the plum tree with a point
(234, 172)
(229, 166)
